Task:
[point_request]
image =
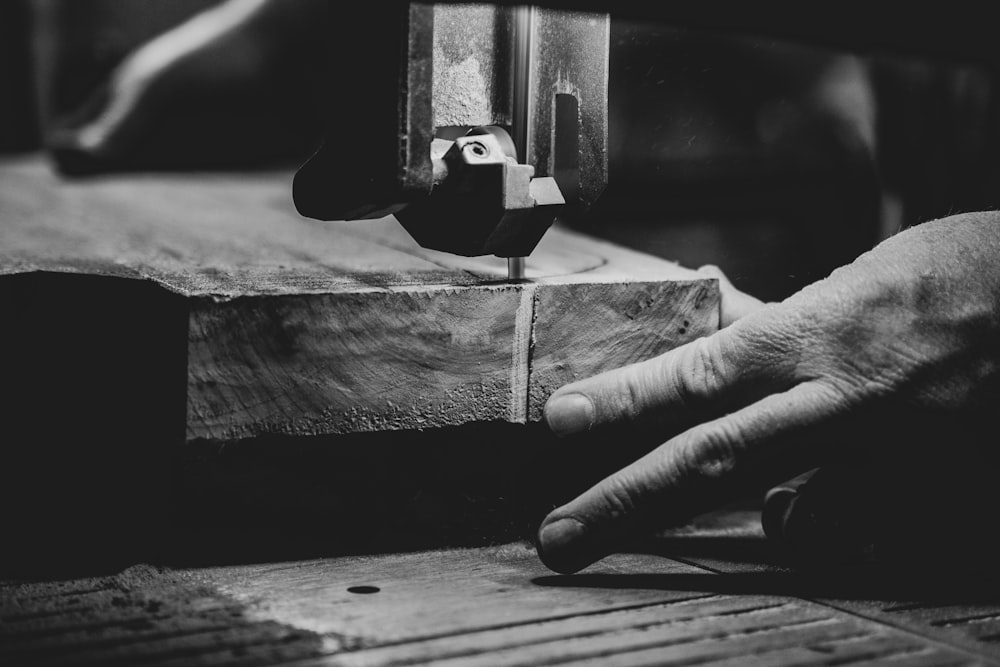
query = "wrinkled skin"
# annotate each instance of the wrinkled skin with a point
(890, 360)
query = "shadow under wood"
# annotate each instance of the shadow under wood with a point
(736, 550)
(97, 473)
(281, 497)
(92, 401)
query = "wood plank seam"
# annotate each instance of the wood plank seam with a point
(430, 637)
(971, 649)
(520, 361)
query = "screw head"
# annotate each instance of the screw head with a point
(479, 150)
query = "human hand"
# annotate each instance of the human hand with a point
(882, 361)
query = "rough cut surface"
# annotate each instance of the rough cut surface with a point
(297, 327)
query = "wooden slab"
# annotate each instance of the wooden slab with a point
(296, 327)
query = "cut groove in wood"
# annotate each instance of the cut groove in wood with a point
(520, 362)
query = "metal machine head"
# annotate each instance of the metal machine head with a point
(436, 112)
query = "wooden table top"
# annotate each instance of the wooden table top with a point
(703, 600)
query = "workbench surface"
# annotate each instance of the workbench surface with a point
(715, 600)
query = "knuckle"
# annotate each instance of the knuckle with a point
(714, 452)
(638, 389)
(698, 374)
(637, 392)
(849, 387)
(619, 498)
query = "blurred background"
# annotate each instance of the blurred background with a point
(775, 161)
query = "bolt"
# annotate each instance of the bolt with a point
(478, 149)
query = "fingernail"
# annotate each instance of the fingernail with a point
(572, 413)
(559, 545)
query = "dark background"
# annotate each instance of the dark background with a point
(776, 161)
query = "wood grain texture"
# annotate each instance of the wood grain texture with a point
(584, 329)
(141, 615)
(950, 608)
(348, 362)
(487, 606)
(297, 327)
(427, 594)
(499, 606)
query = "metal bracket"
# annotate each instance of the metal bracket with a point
(434, 71)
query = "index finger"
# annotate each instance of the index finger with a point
(693, 472)
(701, 379)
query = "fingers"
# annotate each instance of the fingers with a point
(691, 473)
(735, 304)
(701, 379)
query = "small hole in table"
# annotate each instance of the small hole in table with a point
(363, 590)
